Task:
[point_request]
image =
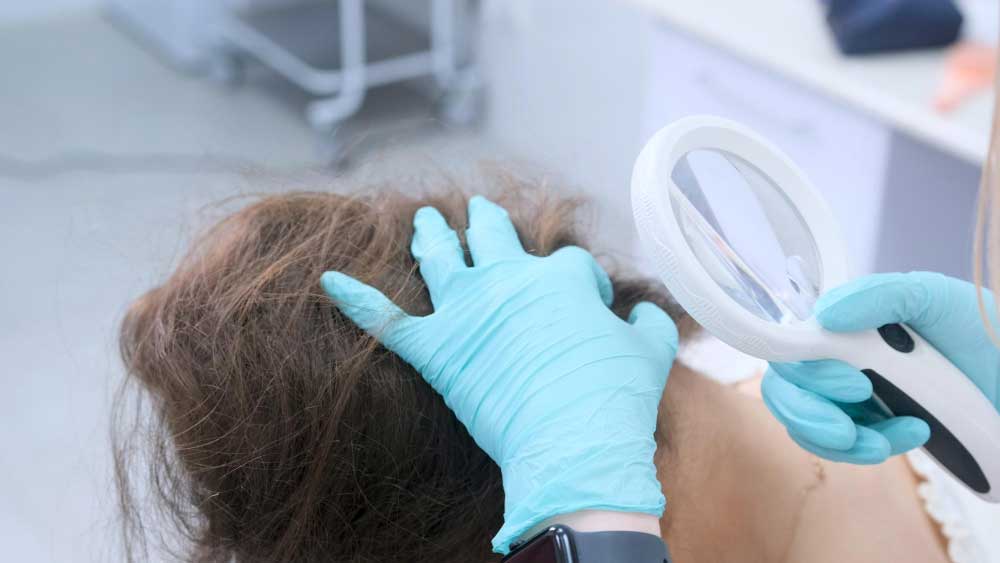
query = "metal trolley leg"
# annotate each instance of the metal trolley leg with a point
(443, 42)
(325, 114)
(270, 37)
(460, 86)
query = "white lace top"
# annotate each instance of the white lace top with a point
(971, 526)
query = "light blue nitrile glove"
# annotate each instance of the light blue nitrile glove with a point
(559, 391)
(826, 404)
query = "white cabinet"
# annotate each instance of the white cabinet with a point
(582, 94)
(902, 203)
(842, 151)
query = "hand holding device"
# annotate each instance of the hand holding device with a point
(746, 245)
(808, 397)
(559, 391)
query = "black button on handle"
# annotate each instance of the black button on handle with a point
(943, 445)
(896, 337)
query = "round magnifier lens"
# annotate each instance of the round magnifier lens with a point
(747, 235)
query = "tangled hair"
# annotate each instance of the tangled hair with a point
(269, 428)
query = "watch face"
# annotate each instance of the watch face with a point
(551, 546)
(542, 550)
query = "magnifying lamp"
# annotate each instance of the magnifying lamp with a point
(746, 245)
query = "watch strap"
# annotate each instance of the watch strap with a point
(623, 547)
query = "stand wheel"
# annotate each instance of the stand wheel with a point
(331, 151)
(228, 68)
(461, 106)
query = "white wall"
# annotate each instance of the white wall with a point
(566, 90)
(14, 11)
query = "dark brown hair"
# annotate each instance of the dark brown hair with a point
(278, 431)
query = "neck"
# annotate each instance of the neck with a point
(735, 485)
(738, 489)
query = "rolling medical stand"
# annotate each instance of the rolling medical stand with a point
(335, 50)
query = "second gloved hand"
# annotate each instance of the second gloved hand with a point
(826, 405)
(559, 391)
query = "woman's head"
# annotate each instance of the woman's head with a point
(281, 431)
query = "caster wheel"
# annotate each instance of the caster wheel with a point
(331, 152)
(461, 107)
(228, 69)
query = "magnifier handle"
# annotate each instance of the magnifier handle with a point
(911, 378)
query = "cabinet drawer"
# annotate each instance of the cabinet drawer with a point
(842, 151)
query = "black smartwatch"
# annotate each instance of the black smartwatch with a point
(561, 544)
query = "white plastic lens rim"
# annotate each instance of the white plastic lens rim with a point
(681, 271)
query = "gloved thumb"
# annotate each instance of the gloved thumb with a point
(655, 324)
(876, 300)
(372, 311)
(576, 256)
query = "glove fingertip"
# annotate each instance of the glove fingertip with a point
(483, 208)
(362, 303)
(428, 213)
(840, 316)
(604, 285)
(645, 311)
(870, 448)
(649, 317)
(858, 391)
(832, 379)
(872, 301)
(347, 290)
(807, 414)
(903, 433)
(333, 283)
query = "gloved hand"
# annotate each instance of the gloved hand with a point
(826, 404)
(559, 391)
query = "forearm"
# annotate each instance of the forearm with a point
(601, 521)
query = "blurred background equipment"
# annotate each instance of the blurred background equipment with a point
(901, 176)
(334, 50)
(875, 26)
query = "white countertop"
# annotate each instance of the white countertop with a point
(790, 37)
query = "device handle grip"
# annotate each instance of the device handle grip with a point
(912, 378)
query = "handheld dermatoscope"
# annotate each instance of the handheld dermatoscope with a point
(746, 245)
